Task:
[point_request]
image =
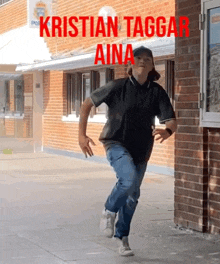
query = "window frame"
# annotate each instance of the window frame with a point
(207, 119)
(18, 82)
(18, 98)
(7, 97)
(168, 65)
(72, 115)
(170, 79)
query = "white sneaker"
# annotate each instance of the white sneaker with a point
(107, 223)
(124, 248)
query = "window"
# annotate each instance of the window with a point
(7, 97)
(210, 64)
(4, 1)
(18, 96)
(81, 84)
(12, 96)
(85, 86)
(166, 70)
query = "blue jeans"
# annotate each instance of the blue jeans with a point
(124, 196)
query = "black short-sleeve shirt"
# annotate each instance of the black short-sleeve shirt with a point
(131, 113)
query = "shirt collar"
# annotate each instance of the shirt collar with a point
(146, 85)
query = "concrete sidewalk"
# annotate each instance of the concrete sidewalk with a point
(51, 207)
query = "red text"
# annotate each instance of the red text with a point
(114, 54)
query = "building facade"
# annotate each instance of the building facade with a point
(64, 80)
(43, 82)
(197, 140)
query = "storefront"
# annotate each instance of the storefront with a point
(17, 94)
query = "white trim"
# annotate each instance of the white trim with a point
(76, 62)
(201, 67)
(207, 119)
(210, 124)
(159, 46)
(95, 119)
(9, 76)
(6, 3)
(98, 118)
(8, 116)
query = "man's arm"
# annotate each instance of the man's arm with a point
(163, 133)
(83, 139)
(172, 125)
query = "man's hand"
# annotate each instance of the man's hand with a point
(84, 145)
(163, 134)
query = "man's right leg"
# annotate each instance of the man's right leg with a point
(123, 165)
(126, 212)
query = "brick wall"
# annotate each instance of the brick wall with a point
(63, 135)
(190, 159)
(9, 127)
(58, 134)
(13, 15)
(163, 154)
(91, 8)
(214, 181)
(197, 149)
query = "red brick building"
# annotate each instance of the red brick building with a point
(66, 79)
(197, 140)
(54, 88)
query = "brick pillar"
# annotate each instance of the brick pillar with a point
(214, 181)
(191, 159)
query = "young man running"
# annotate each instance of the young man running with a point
(128, 137)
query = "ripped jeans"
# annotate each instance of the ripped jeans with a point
(124, 196)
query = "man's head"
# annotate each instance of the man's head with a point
(140, 50)
(144, 63)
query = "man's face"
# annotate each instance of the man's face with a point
(143, 64)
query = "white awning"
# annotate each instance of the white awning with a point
(9, 76)
(159, 46)
(23, 46)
